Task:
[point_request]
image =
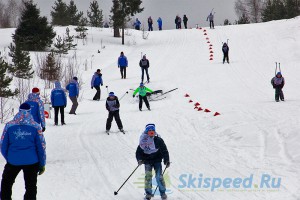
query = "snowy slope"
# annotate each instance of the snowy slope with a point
(253, 135)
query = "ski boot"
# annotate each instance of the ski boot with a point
(164, 196)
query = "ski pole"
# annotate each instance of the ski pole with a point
(116, 192)
(279, 67)
(275, 68)
(107, 89)
(157, 183)
(123, 95)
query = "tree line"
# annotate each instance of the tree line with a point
(254, 11)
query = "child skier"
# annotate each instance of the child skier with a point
(278, 83)
(142, 90)
(151, 150)
(112, 106)
(225, 50)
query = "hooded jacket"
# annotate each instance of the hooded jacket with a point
(37, 108)
(22, 141)
(58, 95)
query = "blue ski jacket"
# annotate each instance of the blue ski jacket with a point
(58, 95)
(96, 80)
(22, 141)
(73, 88)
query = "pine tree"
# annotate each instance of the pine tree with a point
(244, 19)
(21, 67)
(292, 8)
(61, 46)
(73, 14)
(121, 12)
(33, 32)
(5, 81)
(69, 40)
(95, 16)
(268, 12)
(50, 69)
(279, 10)
(59, 14)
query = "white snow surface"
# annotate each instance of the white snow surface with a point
(253, 135)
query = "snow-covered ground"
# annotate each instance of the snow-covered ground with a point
(253, 136)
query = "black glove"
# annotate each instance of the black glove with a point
(92, 87)
(140, 162)
(167, 164)
(41, 170)
(65, 105)
(43, 129)
(101, 84)
(133, 96)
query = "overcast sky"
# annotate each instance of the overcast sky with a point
(196, 10)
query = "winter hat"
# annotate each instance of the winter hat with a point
(75, 78)
(98, 70)
(150, 127)
(111, 94)
(36, 90)
(141, 84)
(25, 106)
(278, 73)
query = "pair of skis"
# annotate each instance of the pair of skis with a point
(107, 132)
(162, 94)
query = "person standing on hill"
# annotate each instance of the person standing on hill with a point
(137, 24)
(95, 83)
(145, 64)
(225, 50)
(142, 90)
(210, 17)
(113, 106)
(159, 23)
(278, 83)
(73, 88)
(185, 20)
(59, 102)
(122, 64)
(150, 24)
(37, 107)
(24, 148)
(150, 152)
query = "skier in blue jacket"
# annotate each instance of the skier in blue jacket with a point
(59, 102)
(137, 24)
(24, 148)
(95, 83)
(73, 88)
(159, 23)
(37, 107)
(122, 64)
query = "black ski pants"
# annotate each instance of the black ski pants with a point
(146, 70)
(211, 24)
(226, 57)
(279, 94)
(98, 93)
(62, 114)
(30, 176)
(123, 72)
(141, 98)
(113, 114)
